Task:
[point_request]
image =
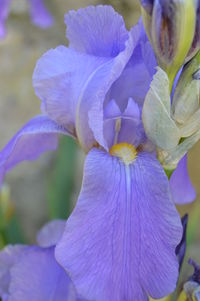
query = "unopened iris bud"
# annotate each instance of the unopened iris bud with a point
(185, 107)
(170, 26)
(191, 289)
(175, 128)
(196, 41)
(147, 5)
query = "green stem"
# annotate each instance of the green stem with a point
(171, 76)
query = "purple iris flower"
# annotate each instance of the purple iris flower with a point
(38, 13)
(4, 11)
(119, 243)
(32, 272)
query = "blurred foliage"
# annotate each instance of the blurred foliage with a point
(129, 9)
(62, 179)
(10, 231)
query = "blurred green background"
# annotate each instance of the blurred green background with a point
(39, 191)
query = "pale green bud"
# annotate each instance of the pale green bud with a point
(196, 41)
(186, 100)
(160, 121)
(159, 125)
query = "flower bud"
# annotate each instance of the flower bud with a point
(191, 289)
(170, 26)
(185, 106)
(174, 130)
(147, 5)
(196, 41)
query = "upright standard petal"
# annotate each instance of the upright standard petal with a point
(131, 80)
(138, 73)
(39, 135)
(60, 79)
(181, 186)
(98, 89)
(37, 276)
(119, 243)
(39, 14)
(96, 30)
(4, 10)
(70, 83)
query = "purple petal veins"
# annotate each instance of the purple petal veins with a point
(124, 227)
(87, 31)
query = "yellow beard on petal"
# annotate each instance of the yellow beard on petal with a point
(126, 152)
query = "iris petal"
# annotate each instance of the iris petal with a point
(60, 79)
(73, 83)
(119, 243)
(39, 135)
(50, 233)
(181, 186)
(96, 30)
(31, 273)
(8, 257)
(39, 14)
(37, 276)
(4, 11)
(137, 75)
(101, 84)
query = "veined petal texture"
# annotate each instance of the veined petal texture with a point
(69, 81)
(59, 80)
(39, 135)
(74, 83)
(96, 30)
(119, 243)
(137, 75)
